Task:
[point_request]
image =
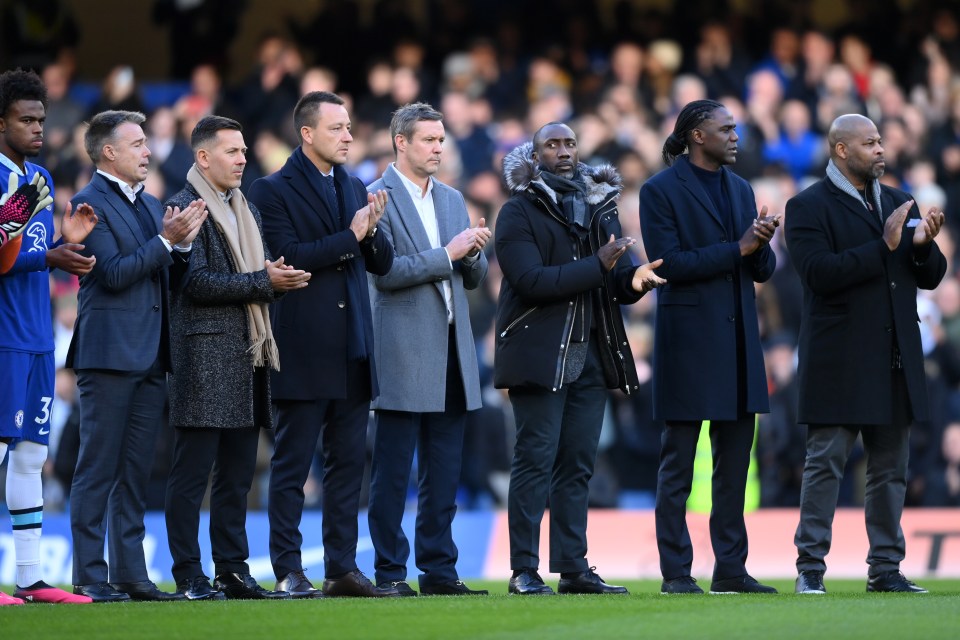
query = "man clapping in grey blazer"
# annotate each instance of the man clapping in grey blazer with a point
(425, 354)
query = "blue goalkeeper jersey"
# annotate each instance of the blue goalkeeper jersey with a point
(25, 309)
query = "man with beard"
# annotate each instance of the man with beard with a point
(862, 250)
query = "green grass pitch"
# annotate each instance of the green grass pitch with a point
(846, 612)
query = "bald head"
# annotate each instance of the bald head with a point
(847, 126)
(855, 148)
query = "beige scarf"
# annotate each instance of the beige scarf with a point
(246, 246)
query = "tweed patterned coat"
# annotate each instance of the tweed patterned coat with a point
(216, 384)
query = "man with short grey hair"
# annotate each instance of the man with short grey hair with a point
(422, 323)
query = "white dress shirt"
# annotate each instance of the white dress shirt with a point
(423, 201)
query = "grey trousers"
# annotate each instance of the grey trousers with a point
(828, 448)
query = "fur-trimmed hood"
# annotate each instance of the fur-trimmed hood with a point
(521, 173)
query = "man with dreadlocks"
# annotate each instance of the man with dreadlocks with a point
(560, 345)
(700, 219)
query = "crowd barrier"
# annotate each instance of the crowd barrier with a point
(622, 545)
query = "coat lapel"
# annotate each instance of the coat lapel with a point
(443, 207)
(869, 217)
(304, 188)
(122, 211)
(400, 199)
(692, 184)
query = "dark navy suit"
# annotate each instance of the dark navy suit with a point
(121, 353)
(320, 392)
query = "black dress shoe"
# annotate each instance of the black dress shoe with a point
(100, 592)
(242, 586)
(356, 585)
(296, 584)
(681, 585)
(740, 584)
(452, 588)
(402, 586)
(893, 582)
(588, 583)
(198, 588)
(810, 581)
(146, 591)
(527, 582)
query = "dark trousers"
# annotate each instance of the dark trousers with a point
(232, 455)
(438, 440)
(556, 449)
(731, 443)
(828, 447)
(120, 415)
(340, 426)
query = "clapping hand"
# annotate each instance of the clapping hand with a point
(611, 252)
(644, 278)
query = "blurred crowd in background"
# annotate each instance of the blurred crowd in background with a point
(498, 70)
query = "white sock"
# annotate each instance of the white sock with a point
(25, 502)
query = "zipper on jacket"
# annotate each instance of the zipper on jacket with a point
(568, 329)
(523, 315)
(607, 312)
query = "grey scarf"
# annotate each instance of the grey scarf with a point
(841, 182)
(571, 195)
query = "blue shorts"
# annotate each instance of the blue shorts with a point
(26, 393)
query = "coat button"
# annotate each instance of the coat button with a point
(614, 299)
(156, 307)
(731, 319)
(729, 277)
(723, 238)
(888, 329)
(893, 285)
(340, 268)
(342, 304)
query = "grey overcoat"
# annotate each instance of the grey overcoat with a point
(409, 314)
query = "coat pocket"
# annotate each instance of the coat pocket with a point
(685, 298)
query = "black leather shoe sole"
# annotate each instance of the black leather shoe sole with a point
(592, 591)
(536, 591)
(159, 596)
(196, 597)
(101, 596)
(306, 595)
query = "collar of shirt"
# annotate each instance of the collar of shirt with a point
(10, 164)
(130, 192)
(413, 188)
(423, 202)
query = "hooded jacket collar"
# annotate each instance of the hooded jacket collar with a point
(521, 174)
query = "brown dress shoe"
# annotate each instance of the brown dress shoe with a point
(356, 585)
